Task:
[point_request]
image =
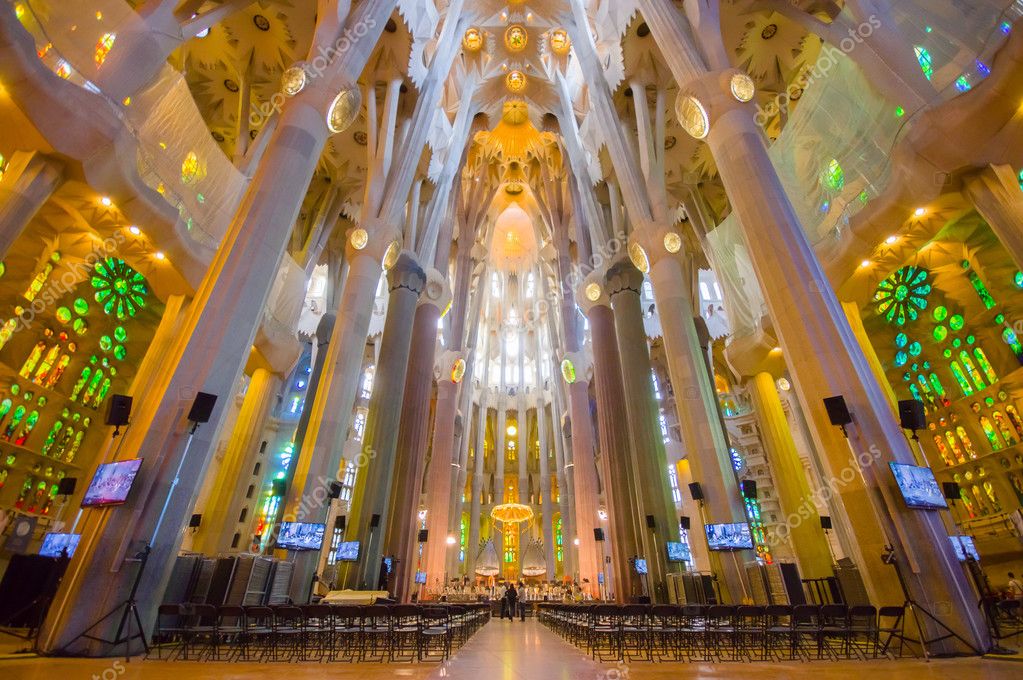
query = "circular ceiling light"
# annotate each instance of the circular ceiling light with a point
(472, 41)
(293, 81)
(359, 238)
(743, 87)
(516, 38)
(692, 116)
(516, 81)
(672, 242)
(593, 292)
(344, 109)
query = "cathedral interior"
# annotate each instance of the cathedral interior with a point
(689, 303)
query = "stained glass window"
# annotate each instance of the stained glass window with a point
(901, 295)
(120, 289)
(834, 176)
(926, 61)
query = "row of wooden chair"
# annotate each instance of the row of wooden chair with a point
(728, 633)
(316, 632)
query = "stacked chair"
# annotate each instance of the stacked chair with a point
(318, 632)
(712, 633)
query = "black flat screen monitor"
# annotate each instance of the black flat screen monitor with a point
(112, 483)
(678, 552)
(723, 537)
(918, 486)
(300, 536)
(348, 552)
(54, 544)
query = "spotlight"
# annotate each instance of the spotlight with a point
(891, 239)
(451, 540)
(159, 255)
(920, 212)
(134, 230)
(575, 541)
(105, 200)
(865, 263)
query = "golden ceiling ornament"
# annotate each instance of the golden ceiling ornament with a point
(672, 242)
(742, 86)
(513, 189)
(391, 255)
(516, 38)
(560, 42)
(293, 81)
(593, 292)
(359, 238)
(515, 81)
(458, 371)
(472, 41)
(639, 257)
(692, 116)
(511, 513)
(344, 109)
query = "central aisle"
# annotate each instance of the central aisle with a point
(505, 649)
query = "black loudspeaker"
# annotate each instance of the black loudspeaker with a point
(280, 487)
(202, 407)
(825, 522)
(119, 410)
(424, 535)
(651, 522)
(911, 415)
(66, 486)
(339, 522)
(749, 489)
(374, 521)
(195, 521)
(334, 490)
(695, 491)
(838, 412)
(951, 490)
(598, 534)
(685, 522)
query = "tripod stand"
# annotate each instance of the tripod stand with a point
(129, 612)
(916, 609)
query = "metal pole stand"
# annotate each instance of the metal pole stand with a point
(128, 608)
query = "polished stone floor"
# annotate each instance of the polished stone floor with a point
(506, 650)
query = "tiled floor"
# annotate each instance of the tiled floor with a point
(506, 650)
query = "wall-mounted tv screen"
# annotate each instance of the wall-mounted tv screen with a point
(55, 544)
(678, 552)
(300, 536)
(421, 577)
(729, 536)
(964, 548)
(640, 565)
(348, 552)
(112, 483)
(918, 486)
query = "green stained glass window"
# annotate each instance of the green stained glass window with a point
(989, 401)
(915, 349)
(940, 333)
(901, 295)
(120, 289)
(63, 314)
(970, 339)
(957, 322)
(981, 289)
(926, 61)
(81, 307)
(960, 376)
(956, 342)
(901, 340)
(120, 334)
(105, 343)
(80, 326)
(833, 176)
(1018, 279)
(985, 365)
(901, 358)
(999, 318)
(940, 313)
(120, 352)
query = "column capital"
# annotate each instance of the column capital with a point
(624, 276)
(437, 292)
(592, 292)
(372, 237)
(406, 273)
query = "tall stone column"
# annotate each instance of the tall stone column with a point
(826, 361)
(413, 431)
(375, 481)
(501, 453)
(220, 516)
(696, 406)
(438, 484)
(545, 499)
(649, 461)
(28, 182)
(801, 520)
(619, 482)
(566, 497)
(215, 342)
(477, 486)
(584, 472)
(996, 194)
